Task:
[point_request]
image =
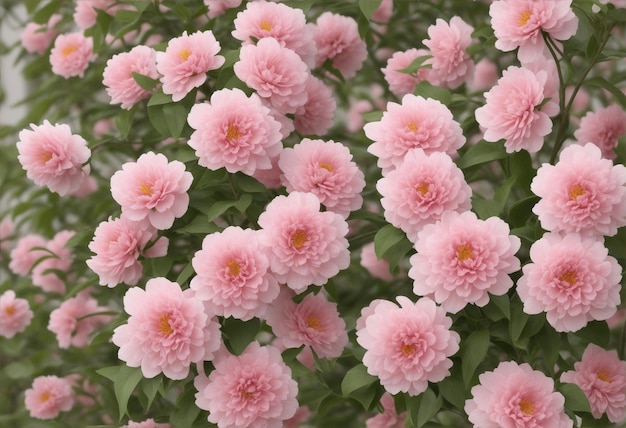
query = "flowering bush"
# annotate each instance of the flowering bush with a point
(309, 213)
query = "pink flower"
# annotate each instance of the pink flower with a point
(85, 12)
(74, 321)
(417, 122)
(48, 396)
(337, 40)
(485, 75)
(118, 243)
(316, 116)
(167, 330)
(218, 7)
(384, 11)
(421, 190)
(186, 61)
(24, 255)
(37, 38)
(378, 268)
(326, 169)
(515, 395)
(54, 157)
(460, 259)
(71, 55)
(254, 389)
(401, 83)
(389, 418)
(235, 132)
(602, 128)
(275, 72)
(314, 322)
(582, 193)
(306, 246)
(50, 274)
(152, 188)
(233, 274)
(261, 19)
(118, 78)
(296, 421)
(520, 23)
(148, 423)
(15, 314)
(512, 110)
(448, 43)
(408, 346)
(602, 377)
(572, 279)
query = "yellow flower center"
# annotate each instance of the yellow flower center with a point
(412, 126)
(604, 376)
(184, 54)
(265, 26)
(326, 166)
(407, 348)
(9, 310)
(164, 325)
(299, 238)
(45, 157)
(233, 267)
(576, 191)
(464, 252)
(524, 17)
(45, 396)
(68, 50)
(526, 406)
(314, 323)
(246, 395)
(422, 188)
(569, 277)
(232, 133)
(145, 189)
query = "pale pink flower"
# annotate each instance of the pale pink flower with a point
(378, 268)
(571, 278)
(389, 418)
(85, 12)
(401, 83)
(118, 244)
(37, 38)
(103, 126)
(520, 23)
(460, 259)
(118, 75)
(87, 187)
(354, 115)
(617, 320)
(54, 157)
(326, 169)
(74, 320)
(218, 7)
(233, 274)
(417, 122)
(275, 72)
(485, 75)
(50, 273)
(148, 423)
(602, 377)
(337, 40)
(235, 132)
(167, 330)
(314, 322)
(306, 246)
(582, 192)
(254, 389)
(15, 314)
(261, 19)
(407, 346)
(186, 61)
(421, 189)
(152, 188)
(270, 178)
(7, 229)
(71, 55)
(515, 395)
(316, 116)
(302, 414)
(448, 43)
(512, 110)
(48, 396)
(602, 128)
(26, 252)
(383, 13)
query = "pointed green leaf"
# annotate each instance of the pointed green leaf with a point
(356, 378)
(125, 379)
(473, 351)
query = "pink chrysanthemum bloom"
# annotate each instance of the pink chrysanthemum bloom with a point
(48, 274)
(54, 157)
(26, 252)
(602, 128)
(378, 268)
(515, 395)
(326, 169)
(186, 61)
(85, 12)
(167, 330)
(71, 55)
(261, 19)
(337, 40)
(421, 189)
(417, 122)
(389, 418)
(602, 377)
(582, 193)
(485, 75)
(571, 278)
(401, 83)
(448, 43)
(512, 110)
(520, 23)
(254, 389)
(118, 244)
(314, 322)
(148, 423)
(460, 259)
(118, 75)
(15, 314)
(37, 38)
(74, 321)
(316, 116)
(218, 7)
(306, 246)
(275, 72)
(48, 396)
(235, 132)
(407, 346)
(233, 274)
(383, 13)
(152, 188)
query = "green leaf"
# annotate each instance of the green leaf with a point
(248, 184)
(518, 322)
(220, 207)
(328, 402)
(161, 266)
(597, 332)
(175, 118)
(43, 15)
(147, 83)
(125, 379)
(481, 152)
(150, 388)
(453, 389)
(428, 90)
(422, 408)
(19, 370)
(503, 303)
(391, 244)
(368, 7)
(239, 333)
(159, 98)
(521, 211)
(415, 65)
(356, 378)
(549, 343)
(124, 120)
(126, 16)
(185, 274)
(575, 398)
(372, 116)
(186, 410)
(605, 84)
(473, 352)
